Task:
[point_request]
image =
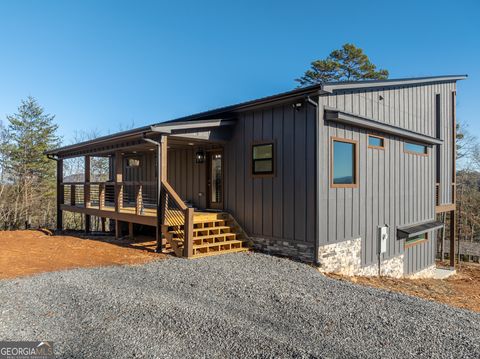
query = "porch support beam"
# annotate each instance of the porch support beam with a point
(453, 230)
(130, 230)
(60, 194)
(86, 193)
(161, 176)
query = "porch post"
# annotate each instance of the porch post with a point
(118, 191)
(60, 194)
(453, 230)
(161, 176)
(86, 193)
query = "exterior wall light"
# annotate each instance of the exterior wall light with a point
(200, 156)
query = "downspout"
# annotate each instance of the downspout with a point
(309, 100)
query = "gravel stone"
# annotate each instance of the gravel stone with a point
(239, 305)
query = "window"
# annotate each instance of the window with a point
(416, 240)
(415, 148)
(344, 163)
(133, 162)
(262, 159)
(376, 142)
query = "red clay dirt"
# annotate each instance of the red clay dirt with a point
(24, 253)
(461, 290)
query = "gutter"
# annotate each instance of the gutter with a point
(316, 260)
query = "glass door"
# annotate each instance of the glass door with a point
(215, 179)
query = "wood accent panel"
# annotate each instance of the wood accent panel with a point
(445, 208)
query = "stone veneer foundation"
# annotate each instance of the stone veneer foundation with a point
(345, 258)
(299, 250)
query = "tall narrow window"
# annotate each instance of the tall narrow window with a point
(344, 163)
(262, 159)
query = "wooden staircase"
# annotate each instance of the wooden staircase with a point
(213, 233)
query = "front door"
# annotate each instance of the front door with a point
(215, 179)
(131, 173)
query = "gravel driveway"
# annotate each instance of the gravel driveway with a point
(240, 305)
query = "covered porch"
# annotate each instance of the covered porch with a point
(171, 179)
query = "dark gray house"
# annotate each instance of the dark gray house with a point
(348, 175)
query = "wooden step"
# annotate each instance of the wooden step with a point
(207, 240)
(234, 250)
(218, 238)
(209, 223)
(233, 241)
(211, 230)
(213, 233)
(219, 247)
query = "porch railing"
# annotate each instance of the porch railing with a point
(177, 217)
(132, 196)
(138, 198)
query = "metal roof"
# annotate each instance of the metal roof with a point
(415, 230)
(325, 88)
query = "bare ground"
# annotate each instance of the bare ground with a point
(25, 253)
(461, 290)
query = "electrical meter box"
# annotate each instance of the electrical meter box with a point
(383, 238)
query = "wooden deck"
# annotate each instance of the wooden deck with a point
(128, 214)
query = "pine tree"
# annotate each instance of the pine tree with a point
(349, 63)
(30, 174)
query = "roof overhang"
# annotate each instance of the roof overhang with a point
(350, 119)
(353, 85)
(194, 126)
(417, 229)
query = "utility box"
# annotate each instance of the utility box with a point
(382, 238)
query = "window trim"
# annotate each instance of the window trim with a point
(334, 139)
(252, 161)
(416, 242)
(376, 147)
(426, 154)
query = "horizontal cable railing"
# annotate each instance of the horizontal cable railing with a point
(133, 196)
(136, 197)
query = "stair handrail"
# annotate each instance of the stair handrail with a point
(186, 214)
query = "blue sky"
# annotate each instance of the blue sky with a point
(103, 65)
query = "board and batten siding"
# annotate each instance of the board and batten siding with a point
(395, 188)
(280, 207)
(187, 177)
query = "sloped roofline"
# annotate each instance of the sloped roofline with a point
(324, 88)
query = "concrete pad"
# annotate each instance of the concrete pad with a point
(442, 273)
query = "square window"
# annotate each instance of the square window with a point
(344, 163)
(376, 142)
(262, 159)
(133, 162)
